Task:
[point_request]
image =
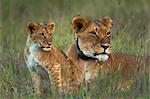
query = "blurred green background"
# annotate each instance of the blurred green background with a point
(130, 34)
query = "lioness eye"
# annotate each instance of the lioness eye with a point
(108, 34)
(94, 33)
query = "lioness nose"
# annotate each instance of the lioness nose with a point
(105, 46)
(49, 44)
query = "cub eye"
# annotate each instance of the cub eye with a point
(42, 34)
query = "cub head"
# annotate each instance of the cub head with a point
(93, 37)
(41, 34)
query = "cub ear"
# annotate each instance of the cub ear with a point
(32, 27)
(107, 21)
(51, 26)
(79, 23)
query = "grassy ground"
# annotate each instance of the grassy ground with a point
(130, 34)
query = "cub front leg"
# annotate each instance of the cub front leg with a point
(55, 74)
(36, 79)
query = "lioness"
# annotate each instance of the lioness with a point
(93, 43)
(42, 55)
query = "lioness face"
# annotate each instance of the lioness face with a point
(41, 34)
(93, 37)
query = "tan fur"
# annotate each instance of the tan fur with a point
(42, 55)
(127, 65)
(94, 34)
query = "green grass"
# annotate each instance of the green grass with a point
(130, 34)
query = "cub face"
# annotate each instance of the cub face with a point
(93, 37)
(41, 34)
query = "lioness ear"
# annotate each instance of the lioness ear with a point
(32, 27)
(51, 26)
(79, 23)
(107, 21)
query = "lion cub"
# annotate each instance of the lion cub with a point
(42, 55)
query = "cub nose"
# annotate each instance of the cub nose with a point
(105, 46)
(48, 43)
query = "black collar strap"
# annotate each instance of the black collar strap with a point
(80, 53)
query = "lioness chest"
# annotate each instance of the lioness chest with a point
(89, 68)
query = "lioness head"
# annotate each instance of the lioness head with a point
(41, 34)
(93, 37)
